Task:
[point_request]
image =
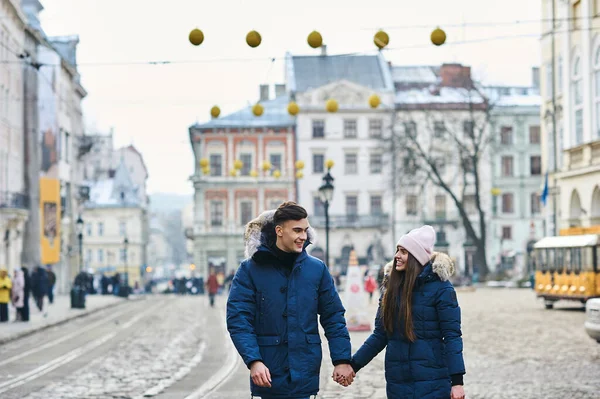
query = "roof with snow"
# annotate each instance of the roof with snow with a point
(118, 192)
(275, 115)
(513, 96)
(310, 72)
(442, 95)
(415, 74)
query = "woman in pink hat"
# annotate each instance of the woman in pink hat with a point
(418, 320)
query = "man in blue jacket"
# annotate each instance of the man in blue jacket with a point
(276, 296)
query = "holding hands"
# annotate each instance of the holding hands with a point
(343, 374)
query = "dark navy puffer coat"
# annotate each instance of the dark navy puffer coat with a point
(272, 317)
(422, 369)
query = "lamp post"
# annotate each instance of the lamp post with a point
(326, 195)
(79, 227)
(126, 269)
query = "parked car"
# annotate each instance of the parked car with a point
(592, 318)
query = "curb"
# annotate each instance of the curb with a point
(27, 333)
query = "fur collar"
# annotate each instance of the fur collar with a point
(441, 264)
(261, 231)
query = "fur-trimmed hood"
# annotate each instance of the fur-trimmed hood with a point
(261, 231)
(441, 264)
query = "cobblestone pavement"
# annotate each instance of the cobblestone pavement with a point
(514, 348)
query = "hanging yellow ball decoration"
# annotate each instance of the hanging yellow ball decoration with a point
(258, 110)
(237, 165)
(196, 37)
(277, 174)
(266, 165)
(215, 112)
(299, 174)
(438, 37)
(253, 173)
(299, 165)
(315, 40)
(206, 170)
(381, 39)
(374, 101)
(329, 163)
(293, 108)
(233, 173)
(204, 162)
(331, 105)
(253, 39)
(495, 191)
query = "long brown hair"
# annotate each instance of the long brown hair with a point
(403, 282)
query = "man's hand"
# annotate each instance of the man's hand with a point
(457, 392)
(260, 374)
(343, 374)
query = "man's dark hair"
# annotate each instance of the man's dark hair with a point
(289, 211)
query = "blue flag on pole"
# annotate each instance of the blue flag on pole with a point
(544, 196)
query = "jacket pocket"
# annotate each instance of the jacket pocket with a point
(315, 354)
(313, 338)
(260, 306)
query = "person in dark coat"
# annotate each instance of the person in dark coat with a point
(39, 286)
(418, 320)
(25, 309)
(51, 284)
(276, 297)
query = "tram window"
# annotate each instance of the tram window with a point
(550, 259)
(568, 266)
(587, 262)
(560, 258)
(541, 260)
(576, 259)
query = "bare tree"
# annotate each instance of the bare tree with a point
(445, 141)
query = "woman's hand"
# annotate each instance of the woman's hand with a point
(457, 392)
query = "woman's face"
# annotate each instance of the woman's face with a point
(401, 258)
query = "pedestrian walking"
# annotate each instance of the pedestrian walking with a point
(370, 286)
(212, 285)
(51, 284)
(27, 280)
(276, 297)
(18, 293)
(419, 322)
(39, 287)
(5, 288)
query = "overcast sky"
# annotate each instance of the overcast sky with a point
(151, 106)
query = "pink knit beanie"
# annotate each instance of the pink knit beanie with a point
(419, 243)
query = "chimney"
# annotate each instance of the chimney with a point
(264, 92)
(535, 77)
(324, 50)
(279, 90)
(456, 75)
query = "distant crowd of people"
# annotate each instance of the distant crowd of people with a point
(23, 286)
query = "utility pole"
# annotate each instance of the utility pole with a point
(554, 135)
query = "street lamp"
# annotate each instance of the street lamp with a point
(326, 195)
(126, 271)
(79, 227)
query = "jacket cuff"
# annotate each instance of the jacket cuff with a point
(249, 364)
(457, 379)
(341, 361)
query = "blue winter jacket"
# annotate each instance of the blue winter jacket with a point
(421, 369)
(273, 318)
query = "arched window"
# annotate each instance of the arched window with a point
(597, 89)
(577, 96)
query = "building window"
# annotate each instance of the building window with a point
(67, 147)
(376, 205)
(318, 128)
(275, 160)
(351, 163)
(469, 129)
(318, 163)
(507, 203)
(216, 213)
(410, 128)
(216, 165)
(506, 135)
(469, 204)
(245, 212)
(549, 91)
(376, 163)
(440, 165)
(247, 161)
(534, 134)
(350, 128)
(274, 204)
(88, 229)
(535, 204)
(100, 256)
(597, 89)
(123, 229)
(410, 164)
(440, 207)
(506, 233)
(439, 129)
(411, 205)
(100, 229)
(507, 166)
(375, 128)
(577, 96)
(351, 207)
(318, 206)
(535, 165)
(88, 255)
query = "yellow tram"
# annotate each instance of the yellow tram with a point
(566, 267)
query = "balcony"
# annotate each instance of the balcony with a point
(381, 221)
(583, 156)
(10, 200)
